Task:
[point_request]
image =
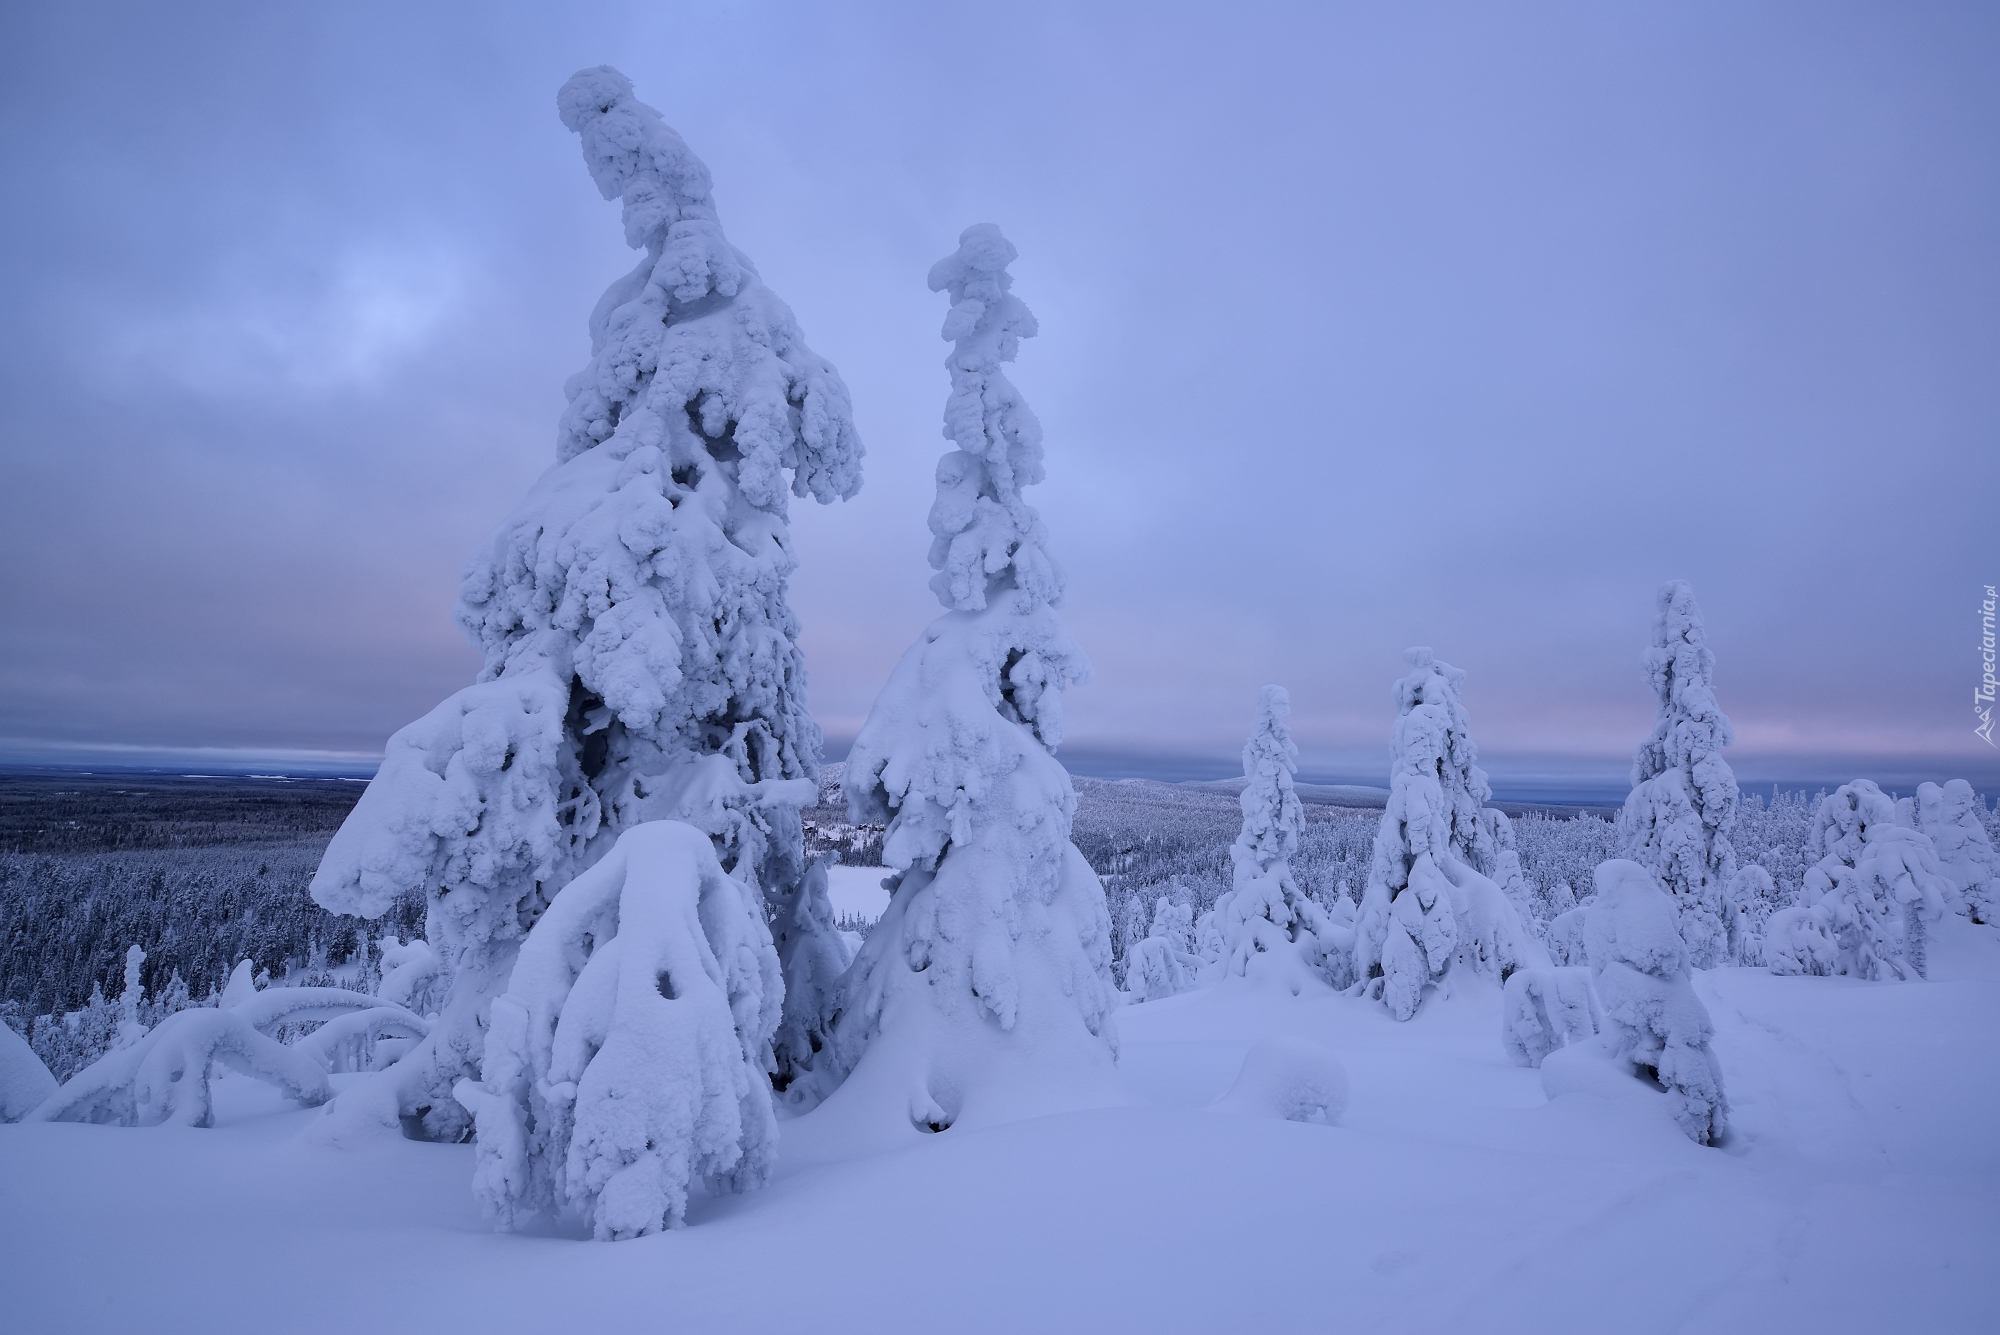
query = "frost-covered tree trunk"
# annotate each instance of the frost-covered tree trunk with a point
(1952, 818)
(1677, 820)
(1427, 905)
(1659, 1028)
(986, 988)
(641, 659)
(1271, 930)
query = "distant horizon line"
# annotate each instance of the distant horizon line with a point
(1515, 777)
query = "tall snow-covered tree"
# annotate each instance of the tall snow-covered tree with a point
(1271, 930)
(641, 659)
(1427, 905)
(985, 989)
(1677, 819)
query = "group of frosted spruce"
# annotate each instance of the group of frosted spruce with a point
(630, 964)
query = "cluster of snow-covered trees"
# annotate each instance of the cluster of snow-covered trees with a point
(630, 967)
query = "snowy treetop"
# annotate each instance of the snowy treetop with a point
(1272, 816)
(985, 536)
(690, 350)
(1681, 669)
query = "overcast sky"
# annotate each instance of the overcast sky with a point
(1363, 326)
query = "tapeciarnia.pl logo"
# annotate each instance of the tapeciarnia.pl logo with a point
(1982, 699)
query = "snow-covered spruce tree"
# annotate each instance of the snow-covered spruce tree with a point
(1677, 820)
(1951, 817)
(1427, 905)
(1658, 1027)
(985, 990)
(1160, 964)
(641, 660)
(626, 1059)
(1271, 930)
(1868, 900)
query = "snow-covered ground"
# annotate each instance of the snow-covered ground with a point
(1858, 1193)
(856, 892)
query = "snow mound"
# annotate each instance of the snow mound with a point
(25, 1082)
(1290, 1078)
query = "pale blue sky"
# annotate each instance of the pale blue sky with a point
(1363, 326)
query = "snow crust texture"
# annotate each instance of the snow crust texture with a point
(993, 958)
(629, 1056)
(25, 1082)
(640, 656)
(1677, 820)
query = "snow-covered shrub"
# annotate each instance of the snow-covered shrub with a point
(1868, 899)
(1677, 820)
(1748, 902)
(1658, 1027)
(1271, 930)
(1427, 905)
(413, 975)
(641, 659)
(992, 962)
(25, 1082)
(1162, 963)
(1952, 818)
(1290, 1078)
(629, 1055)
(1567, 945)
(166, 1075)
(1545, 1009)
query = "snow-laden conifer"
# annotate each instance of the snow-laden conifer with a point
(628, 1057)
(130, 1027)
(986, 986)
(1868, 900)
(1659, 1029)
(1677, 819)
(1427, 904)
(1951, 817)
(1272, 930)
(641, 659)
(1160, 964)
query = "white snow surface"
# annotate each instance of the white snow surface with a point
(856, 892)
(1861, 1137)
